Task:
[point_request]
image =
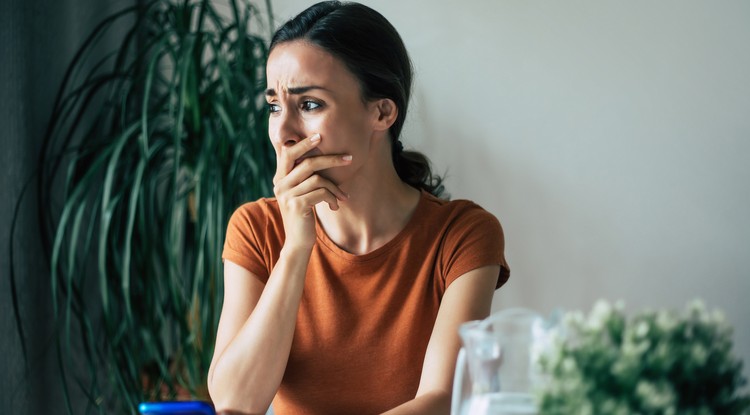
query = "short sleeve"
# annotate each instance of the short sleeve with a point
(474, 239)
(242, 244)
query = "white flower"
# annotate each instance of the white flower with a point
(655, 396)
(568, 364)
(698, 354)
(697, 310)
(641, 329)
(599, 315)
(573, 319)
(614, 407)
(666, 321)
(718, 318)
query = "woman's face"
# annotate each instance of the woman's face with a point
(310, 91)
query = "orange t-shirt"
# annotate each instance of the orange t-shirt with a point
(365, 320)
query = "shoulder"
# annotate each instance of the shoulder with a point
(258, 208)
(254, 233)
(254, 218)
(257, 213)
(459, 213)
(470, 237)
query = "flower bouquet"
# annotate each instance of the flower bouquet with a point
(654, 362)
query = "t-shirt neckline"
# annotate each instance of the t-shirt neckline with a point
(327, 243)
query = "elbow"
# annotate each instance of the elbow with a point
(215, 392)
(228, 408)
(210, 383)
(233, 393)
(212, 389)
(221, 392)
(231, 398)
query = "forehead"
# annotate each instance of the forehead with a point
(300, 63)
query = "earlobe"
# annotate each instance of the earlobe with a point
(387, 112)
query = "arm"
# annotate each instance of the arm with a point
(469, 297)
(257, 322)
(255, 334)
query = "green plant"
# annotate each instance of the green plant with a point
(152, 145)
(652, 363)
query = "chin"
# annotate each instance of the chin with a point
(337, 175)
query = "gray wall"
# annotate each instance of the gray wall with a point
(38, 39)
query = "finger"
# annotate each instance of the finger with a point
(306, 202)
(308, 167)
(289, 187)
(312, 165)
(317, 182)
(323, 195)
(287, 155)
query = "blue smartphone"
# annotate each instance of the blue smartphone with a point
(176, 408)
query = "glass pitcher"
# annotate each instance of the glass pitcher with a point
(497, 368)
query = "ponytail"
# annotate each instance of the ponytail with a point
(414, 169)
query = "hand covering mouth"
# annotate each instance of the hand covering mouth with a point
(311, 153)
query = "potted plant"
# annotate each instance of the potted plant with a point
(653, 362)
(153, 145)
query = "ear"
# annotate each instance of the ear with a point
(385, 113)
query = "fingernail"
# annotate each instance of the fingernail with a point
(347, 157)
(315, 138)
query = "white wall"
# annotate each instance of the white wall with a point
(612, 139)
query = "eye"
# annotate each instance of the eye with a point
(273, 108)
(309, 105)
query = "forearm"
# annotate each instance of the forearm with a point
(432, 403)
(249, 370)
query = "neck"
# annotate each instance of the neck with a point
(379, 207)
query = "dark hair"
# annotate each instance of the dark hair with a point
(373, 51)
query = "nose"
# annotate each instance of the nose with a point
(284, 129)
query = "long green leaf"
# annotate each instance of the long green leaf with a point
(107, 208)
(132, 210)
(76, 228)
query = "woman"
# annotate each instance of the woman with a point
(344, 293)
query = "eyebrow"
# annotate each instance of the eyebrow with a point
(270, 92)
